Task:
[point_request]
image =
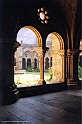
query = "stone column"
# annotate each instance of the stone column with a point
(32, 63)
(63, 67)
(58, 67)
(44, 63)
(8, 89)
(41, 53)
(41, 68)
(72, 67)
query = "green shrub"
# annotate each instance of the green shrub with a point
(36, 70)
(50, 74)
(29, 69)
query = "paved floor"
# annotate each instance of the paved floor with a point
(53, 108)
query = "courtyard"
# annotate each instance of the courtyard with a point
(29, 79)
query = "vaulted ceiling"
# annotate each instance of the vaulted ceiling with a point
(65, 15)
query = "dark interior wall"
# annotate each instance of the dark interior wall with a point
(1, 19)
(78, 26)
(24, 13)
(12, 10)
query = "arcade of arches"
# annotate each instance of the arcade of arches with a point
(27, 55)
(43, 17)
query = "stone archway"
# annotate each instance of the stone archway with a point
(28, 62)
(58, 58)
(39, 50)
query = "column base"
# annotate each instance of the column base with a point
(80, 85)
(56, 81)
(72, 85)
(42, 82)
(10, 95)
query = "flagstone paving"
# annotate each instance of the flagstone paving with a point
(52, 108)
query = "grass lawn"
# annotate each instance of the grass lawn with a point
(38, 73)
(30, 78)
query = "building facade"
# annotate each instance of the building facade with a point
(26, 56)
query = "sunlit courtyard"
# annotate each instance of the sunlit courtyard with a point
(29, 79)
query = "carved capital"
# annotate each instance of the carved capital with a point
(72, 52)
(46, 49)
(15, 46)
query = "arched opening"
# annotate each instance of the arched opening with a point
(55, 44)
(23, 63)
(35, 63)
(28, 56)
(28, 62)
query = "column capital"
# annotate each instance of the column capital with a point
(72, 52)
(46, 49)
(15, 46)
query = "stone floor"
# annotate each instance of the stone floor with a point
(53, 108)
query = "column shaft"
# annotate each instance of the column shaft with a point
(8, 88)
(72, 67)
(41, 53)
